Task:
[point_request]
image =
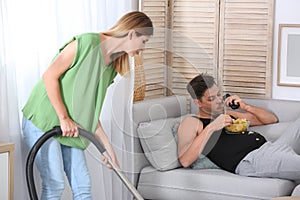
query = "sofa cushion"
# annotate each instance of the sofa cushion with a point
(214, 184)
(296, 191)
(158, 143)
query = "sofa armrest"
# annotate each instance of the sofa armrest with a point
(146, 111)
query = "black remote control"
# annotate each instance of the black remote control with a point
(232, 105)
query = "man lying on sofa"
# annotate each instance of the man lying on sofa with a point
(247, 153)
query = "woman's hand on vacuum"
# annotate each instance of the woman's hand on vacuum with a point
(105, 142)
(113, 159)
(69, 128)
(105, 160)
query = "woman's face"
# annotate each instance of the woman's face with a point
(136, 44)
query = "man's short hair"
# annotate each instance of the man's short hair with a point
(199, 84)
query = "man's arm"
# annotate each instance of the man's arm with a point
(256, 115)
(189, 145)
(192, 138)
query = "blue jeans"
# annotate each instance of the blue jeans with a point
(54, 161)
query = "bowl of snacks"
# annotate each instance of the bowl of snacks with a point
(238, 126)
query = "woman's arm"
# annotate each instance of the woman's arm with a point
(104, 141)
(51, 79)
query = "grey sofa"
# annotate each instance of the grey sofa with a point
(161, 178)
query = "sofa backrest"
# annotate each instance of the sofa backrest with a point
(285, 110)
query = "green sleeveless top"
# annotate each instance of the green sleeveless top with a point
(83, 87)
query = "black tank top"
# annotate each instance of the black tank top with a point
(227, 150)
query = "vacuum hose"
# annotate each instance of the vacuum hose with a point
(56, 131)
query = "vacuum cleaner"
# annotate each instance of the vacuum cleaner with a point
(56, 131)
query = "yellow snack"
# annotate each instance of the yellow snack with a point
(238, 125)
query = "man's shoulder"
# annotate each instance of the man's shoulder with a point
(190, 126)
(191, 119)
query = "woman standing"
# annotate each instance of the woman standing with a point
(71, 93)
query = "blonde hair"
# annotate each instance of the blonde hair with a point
(136, 20)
